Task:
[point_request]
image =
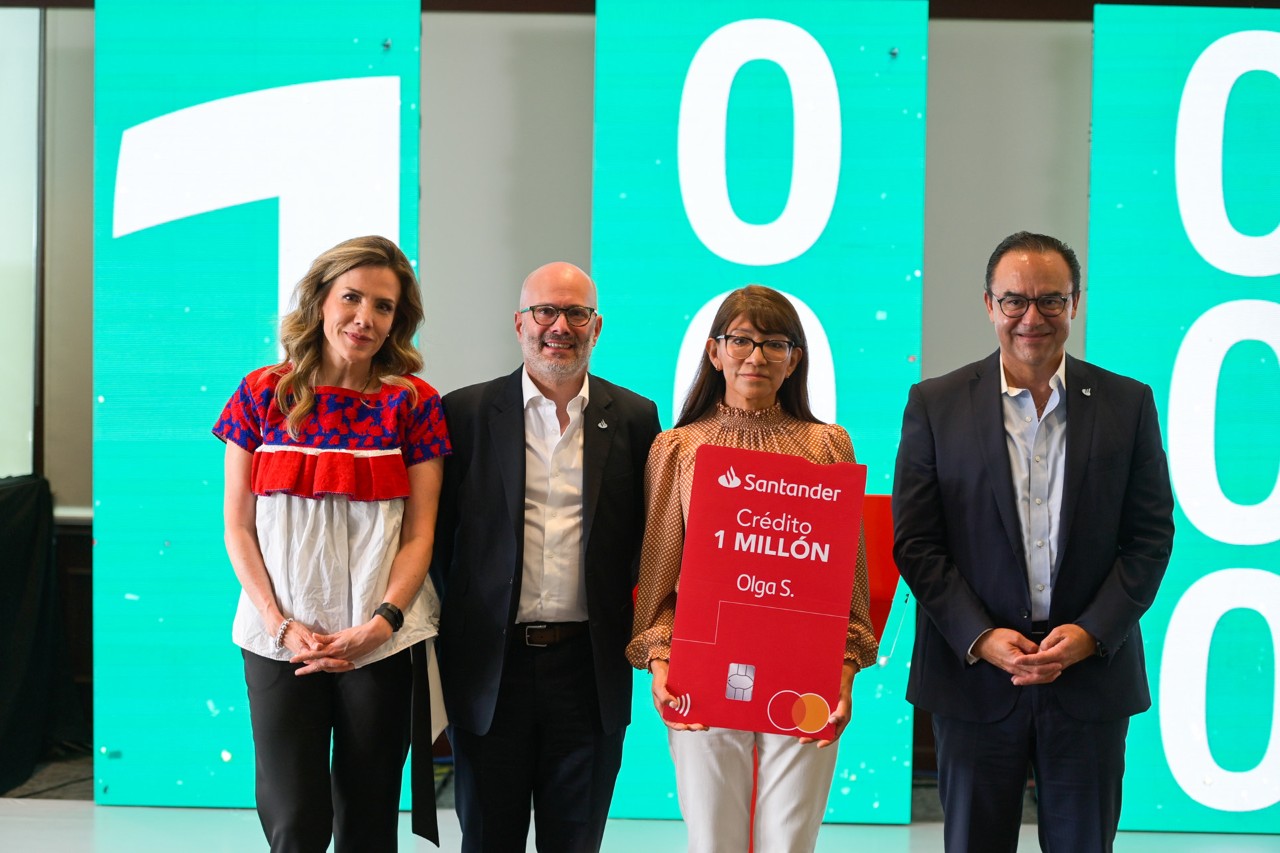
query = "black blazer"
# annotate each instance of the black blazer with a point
(958, 539)
(479, 546)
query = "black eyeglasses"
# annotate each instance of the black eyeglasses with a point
(741, 347)
(1014, 305)
(575, 315)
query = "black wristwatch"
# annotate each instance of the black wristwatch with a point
(393, 615)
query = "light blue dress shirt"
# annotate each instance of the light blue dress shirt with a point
(1037, 458)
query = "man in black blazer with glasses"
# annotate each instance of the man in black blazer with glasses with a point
(537, 546)
(1033, 523)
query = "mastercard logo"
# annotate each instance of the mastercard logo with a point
(807, 712)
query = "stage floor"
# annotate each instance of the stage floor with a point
(77, 826)
(53, 812)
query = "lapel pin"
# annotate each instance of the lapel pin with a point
(602, 425)
(1088, 392)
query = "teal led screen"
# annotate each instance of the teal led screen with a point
(1184, 294)
(779, 143)
(234, 142)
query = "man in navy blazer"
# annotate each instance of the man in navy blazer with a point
(1033, 523)
(537, 545)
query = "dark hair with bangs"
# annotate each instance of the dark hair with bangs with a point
(771, 313)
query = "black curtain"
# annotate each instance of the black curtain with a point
(38, 706)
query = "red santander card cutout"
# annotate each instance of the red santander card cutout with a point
(765, 582)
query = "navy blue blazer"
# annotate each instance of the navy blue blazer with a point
(479, 547)
(958, 539)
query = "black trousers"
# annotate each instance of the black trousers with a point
(330, 750)
(982, 774)
(545, 747)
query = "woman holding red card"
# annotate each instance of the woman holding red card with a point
(750, 392)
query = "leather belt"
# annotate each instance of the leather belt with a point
(1038, 630)
(539, 635)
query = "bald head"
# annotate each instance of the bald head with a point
(556, 279)
(557, 354)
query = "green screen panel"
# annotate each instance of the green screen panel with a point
(1184, 294)
(779, 143)
(234, 142)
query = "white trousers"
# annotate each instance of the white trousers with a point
(713, 780)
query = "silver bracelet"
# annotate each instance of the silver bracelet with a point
(284, 626)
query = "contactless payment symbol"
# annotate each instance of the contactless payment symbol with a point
(742, 677)
(789, 711)
(729, 479)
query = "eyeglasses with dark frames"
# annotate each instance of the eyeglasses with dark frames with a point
(1014, 305)
(574, 315)
(741, 347)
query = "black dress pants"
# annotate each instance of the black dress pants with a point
(330, 751)
(545, 748)
(982, 775)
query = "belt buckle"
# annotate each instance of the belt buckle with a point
(530, 643)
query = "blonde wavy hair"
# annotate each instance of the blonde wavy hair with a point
(302, 332)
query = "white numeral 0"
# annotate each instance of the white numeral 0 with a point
(1184, 672)
(1198, 154)
(822, 367)
(815, 167)
(1193, 406)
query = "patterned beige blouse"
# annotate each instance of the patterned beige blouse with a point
(668, 482)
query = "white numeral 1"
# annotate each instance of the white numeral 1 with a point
(329, 151)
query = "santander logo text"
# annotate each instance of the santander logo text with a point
(780, 486)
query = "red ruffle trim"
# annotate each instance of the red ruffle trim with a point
(313, 475)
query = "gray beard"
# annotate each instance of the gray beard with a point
(537, 364)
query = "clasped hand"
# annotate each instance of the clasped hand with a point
(1030, 663)
(335, 652)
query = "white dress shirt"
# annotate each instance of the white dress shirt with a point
(1038, 459)
(553, 587)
